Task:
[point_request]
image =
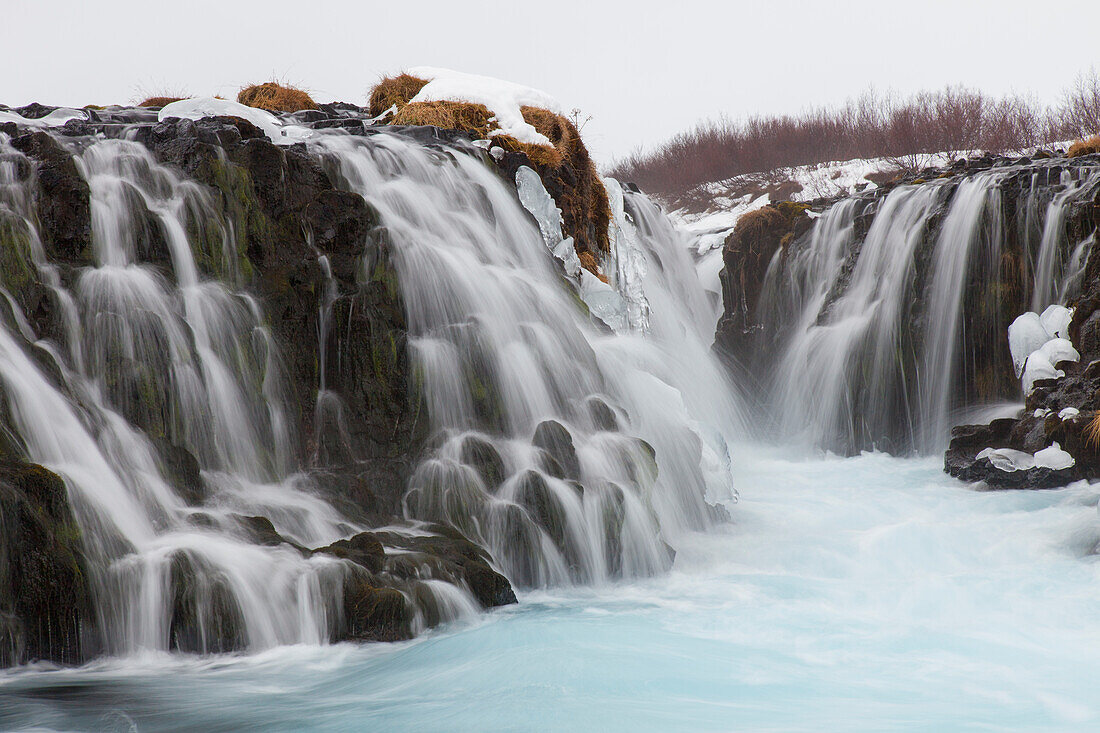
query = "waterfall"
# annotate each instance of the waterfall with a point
(156, 351)
(572, 452)
(887, 319)
(153, 384)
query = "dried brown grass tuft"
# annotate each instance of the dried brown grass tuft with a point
(1091, 432)
(1084, 147)
(275, 97)
(588, 262)
(565, 165)
(159, 101)
(543, 155)
(472, 118)
(584, 204)
(394, 90)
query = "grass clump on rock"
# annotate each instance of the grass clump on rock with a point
(394, 91)
(472, 118)
(565, 166)
(275, 97)
(158, 101)
(1084, 147)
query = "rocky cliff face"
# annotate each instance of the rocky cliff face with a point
(893, 306)
(1063, 411)
(317, 261)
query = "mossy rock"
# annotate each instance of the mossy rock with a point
(46, 608)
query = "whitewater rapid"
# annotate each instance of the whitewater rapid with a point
(869, 593)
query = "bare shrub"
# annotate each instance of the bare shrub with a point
(905, 131)
(1080, 110)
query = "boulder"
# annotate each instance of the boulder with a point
(63, 201)
(46, 609)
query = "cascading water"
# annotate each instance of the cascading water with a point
(158, 352)
(574, 452)
(864, 593)
(881, 338)
(536, 408)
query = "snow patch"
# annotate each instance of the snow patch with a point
(200, 107)
(58, 117)
(503, 98)
(1068, 413)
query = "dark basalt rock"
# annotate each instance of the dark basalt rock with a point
(603, 417)
(373, 614)
(64, 209)
(556, 440)
(480, 455)
(261, 531)
(286, 212)
(536, 496)
(181, 468)
(746, 254)
(449, 555)
(205, 619)
(34, 110)
(46, 610)
(363, 549)
(375, 589)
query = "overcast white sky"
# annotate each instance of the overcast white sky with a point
(643, 70)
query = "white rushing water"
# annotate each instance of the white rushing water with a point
(575, 454)
(512, 369)
(872, 337)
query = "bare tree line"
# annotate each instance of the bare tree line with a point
(873, 125)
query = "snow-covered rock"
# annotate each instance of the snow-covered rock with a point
(58, 117)
(199, 107)
(1068, 413)
(503, 98)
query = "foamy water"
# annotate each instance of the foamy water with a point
(869, 593)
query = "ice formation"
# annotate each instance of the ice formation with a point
(1008, 459)
(602, 300)
(1038, 344)
(1053, 457)
(1025, 335)
(1055, 320)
